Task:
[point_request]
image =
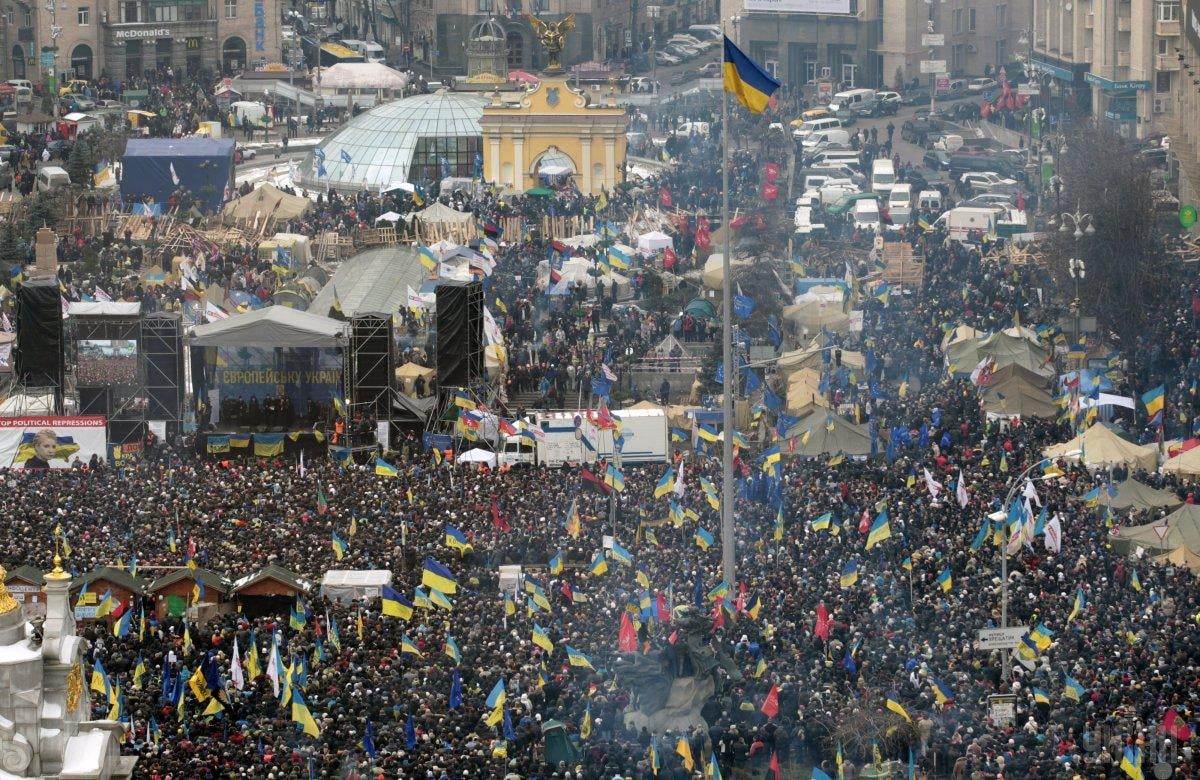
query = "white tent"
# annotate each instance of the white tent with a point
(361, 75)
(388, 216)
(653, 242)
(347, 585)
(478, 455)
(274, 326)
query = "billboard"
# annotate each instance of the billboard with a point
(798, 6)
(303, 375)
(1191, 24)
(106, 362)
(51, 442)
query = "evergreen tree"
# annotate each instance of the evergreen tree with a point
(81, 164)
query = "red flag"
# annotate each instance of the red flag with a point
(770, 192)
(1175, 726)
(674, 637)
(792, 445)
(737, 222)
(593, 481)
(739, 605)
(770, 707)
(771, 172)
(664, 614)
(703, 239)
(774, 766)
(664, 196)
(565, 589)
(668, 258)
(718, 616)
(627, 637)
(191, 551)
(823, 622)
(499, 522)
(864, 524)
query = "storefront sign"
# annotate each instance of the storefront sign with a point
(799, 6)
(1108, 85)
(1121, 114)
(1062, 74)
(260, 26)
(159, 32)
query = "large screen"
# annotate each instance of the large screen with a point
(51, 442)
(799, 6)
(107, 362)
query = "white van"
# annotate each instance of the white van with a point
(710, 32)
(857, 100)
(866, 215)
(823, 139)
(51, 177)
(811, 126)
(22, 90)
(883, 176)
(518, 451)
(930, 201)
(900, 204)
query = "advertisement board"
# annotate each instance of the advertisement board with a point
(303, 375)
(107, 362)
(798, 6)
(51, 442)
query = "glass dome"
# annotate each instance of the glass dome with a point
(421, 139)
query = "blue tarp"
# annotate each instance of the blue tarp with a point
(151, 166)
(807, 283)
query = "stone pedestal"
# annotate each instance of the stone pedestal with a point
(45, 252)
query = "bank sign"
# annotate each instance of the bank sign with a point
(260, 26)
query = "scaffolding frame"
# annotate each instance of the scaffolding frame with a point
(168, 329)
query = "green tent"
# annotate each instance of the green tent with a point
(701, 307)
(540, 192)
(557, 745)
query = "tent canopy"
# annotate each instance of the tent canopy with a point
(846, 437)
(1181, 556)
(803, 389)
(1181, 528)
(273, 326)
(1101, 446)
(362, 75)
(1016, 391)
(1185, 464)
(346, 585)
(441, 214)
(1132, 494)
(478, 455)
(268, 201)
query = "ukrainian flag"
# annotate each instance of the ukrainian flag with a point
(451, 649)
(339, 546)
(941, 692)
(880, 530)
(666, 484)
(1040, 696)
(618, 259)
(1135, 582)
(746, 80)
(1041, 636)
(1079, 606)
(440, 599)
(710, 492)
(945, 580)
(455, 540)
(1131, 762)
(541, 640)
(704, 539)
(771, 459)
(621, 555)
(435, 575)
(217, 444)
(407, 646)
(1154, 400)
(822, 523)
(427, 258)
(707, 433)
(385, 469)
(599, 565)
(849, 574)
(395, 604)
(498, 695)
(1074, 691)
(302, 716)
(893, 704)
(576, 658)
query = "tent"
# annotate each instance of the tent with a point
(1180, 556)
(1181, 528)
(846, 437)
(350, 585)
(1099, 445)
(1015, 391)
(1185, 464)
(266, 202)
(478, 455)
(714, 271)
(653, 242)
(440, 222)
(803, 389)
(959, 334)
(701, 307)
(361, 76)
(1132, 494)
(159, 166)
(271, 327)
(815, 315)
(810, 357)
(408, 373)
(1007, 349)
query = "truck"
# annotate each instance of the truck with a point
(573, 438)
(970, 223)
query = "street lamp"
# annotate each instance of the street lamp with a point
(1078, 224)
(999, 516)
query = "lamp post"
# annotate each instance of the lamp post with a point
(1080, 224)
(1001, 515)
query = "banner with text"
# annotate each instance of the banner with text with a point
(51, 442)
(303, 375)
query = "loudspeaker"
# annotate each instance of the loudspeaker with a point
(162, 347)
(459, 333)
(39, 350)
(95, 400)
(371, 361)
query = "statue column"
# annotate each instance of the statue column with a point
(585, 142)
(519, 161)
(494, 144)
(610, 162)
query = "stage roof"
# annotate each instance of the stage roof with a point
(274, 326)
(373, 282)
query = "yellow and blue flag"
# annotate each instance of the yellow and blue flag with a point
(541, 640)
(339, 546)
(1131, 762)
(621, 555)
(1153, 400)
(710, 493)
(407, 646)
(302, 716)
(1040, 696)
(746, 80)
(945, 580)
(577, 658)
(456, 540)
(881, 529)
(893, 704)
(439, 599)
(614, 478)
(385, 469)
(1079, 605)
(1072, 689)
(942, 692)
(395, 604)
(617, 259)
(704, 539)
(822, 523)
(427, 258)
(435, 575)
(556, 563)
(666, 484)
(451, 649)
(849, 574)
(498, 695)
(599, 564)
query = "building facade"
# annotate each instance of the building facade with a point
(124, 38)
(1114, 59)
(1182, 123)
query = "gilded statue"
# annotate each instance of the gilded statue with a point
(74, 687)
(553, 35)
(7, 602)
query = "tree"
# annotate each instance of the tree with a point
(12, 250)
(81, 162)
(1126, 264)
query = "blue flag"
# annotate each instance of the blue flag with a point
(456, 693)
(410, 733)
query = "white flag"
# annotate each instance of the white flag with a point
(1054, 535)
(679, 480)
(932, 485)
(102, 296)
(273, 664)
(174, 176)
(214, 312)
(960, 491)
(1030, 492)
(302, 469)
(235, 668)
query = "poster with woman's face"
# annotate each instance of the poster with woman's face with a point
(35, 443)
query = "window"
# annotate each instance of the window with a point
(1162, 81)
(83, 16)
(165, 13)
(1162, 47)
(1001, 17)
(1168, 12)
(230, 9)
(10, 17)
(970, 20)
(485, 6)
(957, 20)
(28, 18)
(956, 58)
(131, 12)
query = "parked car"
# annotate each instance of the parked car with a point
(242, 153)
(917, 129)
(711, 70)
(981, 85)
(684, 76)
(991, 199)
(915, 97)
(976, 182)
(76, 102)
(666, 58)
(936, 159)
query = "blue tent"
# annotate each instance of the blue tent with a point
(159, 166)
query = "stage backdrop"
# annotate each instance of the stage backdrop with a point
(301, 374)
(38, 442)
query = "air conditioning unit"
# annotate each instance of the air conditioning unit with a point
(971, 48)
(1160, 106)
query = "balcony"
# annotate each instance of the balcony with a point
(1166, 62)
(1165, 29)
(1089, 21)
(1123, 59)
(1123, 24)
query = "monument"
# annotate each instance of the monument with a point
(46, 729)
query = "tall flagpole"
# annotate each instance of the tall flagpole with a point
(728, 561)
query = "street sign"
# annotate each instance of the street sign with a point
(929, 40)
(47, 59)
(943, 84)
(1001, 638)
(933, 66)
(1028, 90)
(1002, 707)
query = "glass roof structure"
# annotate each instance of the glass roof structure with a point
(420, 139)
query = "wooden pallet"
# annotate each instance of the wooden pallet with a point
(903, 265)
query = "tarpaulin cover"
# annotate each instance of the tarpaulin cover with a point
(274, 326)
(148, 162)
